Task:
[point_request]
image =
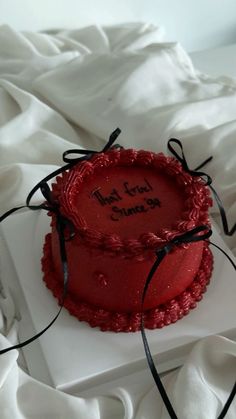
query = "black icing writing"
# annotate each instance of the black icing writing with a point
(153, 202)
(132, 191)
(107, 200)
(118, 213)
(115, 195)
(137, 189)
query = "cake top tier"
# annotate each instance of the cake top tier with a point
(127, 198)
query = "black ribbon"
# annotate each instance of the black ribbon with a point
(208, 181)
(188, 237)
(62, 223)
(64, 226)
(86, 154)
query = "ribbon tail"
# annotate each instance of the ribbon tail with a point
(203, 163)
(228, 403)
(161, 253)
(11, 211)
(61, 227)
(224, 220)
(233, 391)
(160, 257)
(156, 376)
(30, 340)
(112, 139)
(226, 255)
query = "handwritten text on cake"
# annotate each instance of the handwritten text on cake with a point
(132, 191)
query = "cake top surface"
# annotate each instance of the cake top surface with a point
(126, 196)
(130, 201)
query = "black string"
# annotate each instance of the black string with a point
(224, 220)
(60, 226)
(86, 154)
(181, 158)
(233, 392)
(226, 255)
(63, 224)
(228, 403)
(161, 253)
(188, 237)
(155, 374)
(208, 181)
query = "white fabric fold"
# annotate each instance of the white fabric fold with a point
(200, 389)
(68, 89)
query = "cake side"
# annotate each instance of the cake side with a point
(162, 315)
(116, 283)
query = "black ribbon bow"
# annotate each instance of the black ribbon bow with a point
(188, 237)
(208, 181)
(63, 224)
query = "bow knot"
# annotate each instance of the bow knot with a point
(208, 181)
(182, 159)
(87, 154)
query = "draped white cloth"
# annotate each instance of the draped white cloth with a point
(72, 88)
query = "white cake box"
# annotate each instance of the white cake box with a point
(74, 357)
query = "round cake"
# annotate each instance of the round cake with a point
(124, 205)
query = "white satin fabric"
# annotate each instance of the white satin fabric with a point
(72, 88)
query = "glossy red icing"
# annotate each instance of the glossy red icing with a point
(124, 204)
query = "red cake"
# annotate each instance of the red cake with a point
(124, 205)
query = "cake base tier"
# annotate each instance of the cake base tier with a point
(161, 316)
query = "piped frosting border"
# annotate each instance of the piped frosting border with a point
(195, 213)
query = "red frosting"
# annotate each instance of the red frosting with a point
(125, 204)
(161, 316)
